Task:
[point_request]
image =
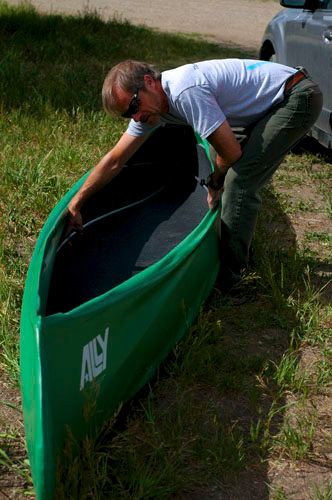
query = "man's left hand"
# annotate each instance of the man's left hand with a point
(213, 197)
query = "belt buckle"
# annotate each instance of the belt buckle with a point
(302, 70)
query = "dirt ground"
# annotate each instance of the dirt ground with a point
(239, 22)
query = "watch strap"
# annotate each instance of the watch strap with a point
(214, 184)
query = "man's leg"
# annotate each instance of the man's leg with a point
(270, 139)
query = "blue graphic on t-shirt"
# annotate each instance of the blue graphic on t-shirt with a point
(257, 65)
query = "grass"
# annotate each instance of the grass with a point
(237, 393)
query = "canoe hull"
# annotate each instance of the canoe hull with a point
(78, 366)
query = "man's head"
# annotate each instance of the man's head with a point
(133, 89)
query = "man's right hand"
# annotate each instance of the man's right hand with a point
(74, 221)
(108, 167)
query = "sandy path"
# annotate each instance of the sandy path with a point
(241, 22)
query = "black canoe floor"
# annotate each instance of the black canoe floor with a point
(126, 242)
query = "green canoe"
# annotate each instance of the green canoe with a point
(101, 313)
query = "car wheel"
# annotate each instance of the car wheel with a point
(267, 52)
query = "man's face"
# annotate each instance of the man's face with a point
(146, 105)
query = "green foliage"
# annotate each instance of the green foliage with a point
(20, 467)
(322, 493)
(219, 406)
(53, 62)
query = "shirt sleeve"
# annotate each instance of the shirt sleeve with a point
(200, 109)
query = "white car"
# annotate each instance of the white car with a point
(301, 35)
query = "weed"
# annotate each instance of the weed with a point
(295, 438)
(318, 236)
(322, 493)
(221, 406)
(278, 494)
(8, 461)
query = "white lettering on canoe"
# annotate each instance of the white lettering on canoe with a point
(94, 358)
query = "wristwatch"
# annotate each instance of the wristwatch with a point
(214, 184)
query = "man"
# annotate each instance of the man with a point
(275, 104)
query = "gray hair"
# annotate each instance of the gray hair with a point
(127, 75)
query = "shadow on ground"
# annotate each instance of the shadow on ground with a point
(52, 62)
(217, 392)
(57, 62)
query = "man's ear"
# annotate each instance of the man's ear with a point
(149, 81)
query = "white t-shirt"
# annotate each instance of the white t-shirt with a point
(206, 93)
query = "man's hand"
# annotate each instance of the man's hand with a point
(74, 221)
(107, 168)
(213, 197)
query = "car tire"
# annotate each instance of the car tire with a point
(267, 52)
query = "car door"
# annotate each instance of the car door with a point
(309, 44)
(325, 81)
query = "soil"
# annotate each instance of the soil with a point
(241, 23)
(13, 483)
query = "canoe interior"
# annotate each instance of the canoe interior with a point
(149, 208)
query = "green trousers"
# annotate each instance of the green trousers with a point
(269, 140)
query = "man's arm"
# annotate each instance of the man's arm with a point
(108, 167)
(227, 147)
(228, 152)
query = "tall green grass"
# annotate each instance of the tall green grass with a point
(219, 405)
(54, 62)
(52, 127)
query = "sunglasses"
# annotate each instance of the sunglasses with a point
(133, 106)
